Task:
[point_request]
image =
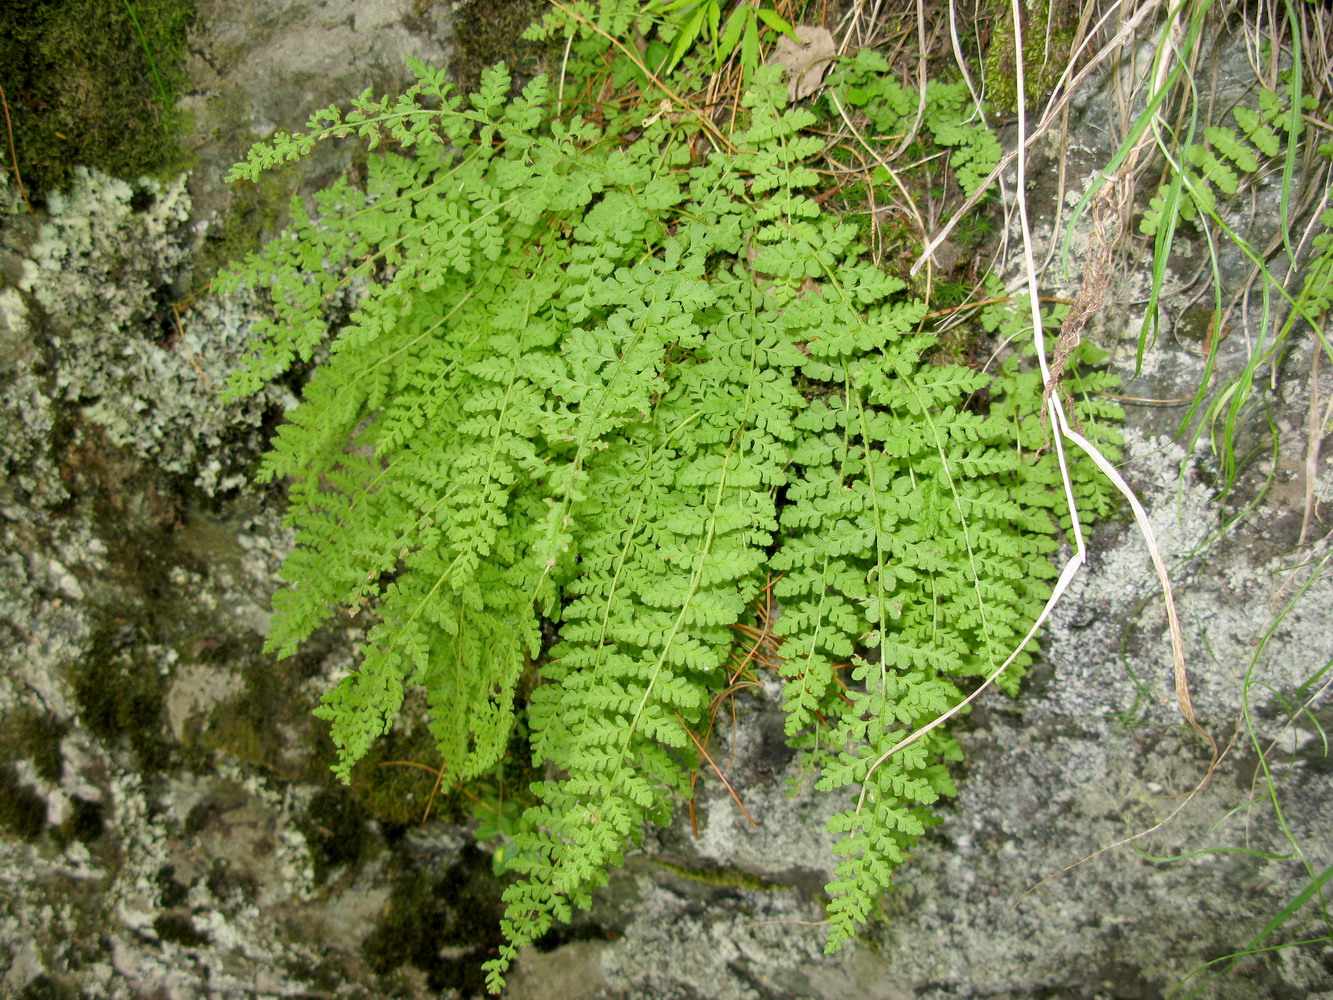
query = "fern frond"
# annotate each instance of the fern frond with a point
(593, 384)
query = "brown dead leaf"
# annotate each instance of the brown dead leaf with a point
(806, 63)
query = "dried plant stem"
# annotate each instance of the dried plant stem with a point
(1066, 86)
(13, 151)
(1060, 420)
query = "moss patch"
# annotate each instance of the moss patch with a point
(395, 791)
(490, 31)
(335, 829)
(1048, 35)
(731, 878)
(179, 929)
(256, 212)
(93, 82)
(85, 823)
(445, 925)
(35, 736)
(121, 692)
(46, 988)
(266, 726)
(22, 810)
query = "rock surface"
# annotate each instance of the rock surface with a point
(168, 827)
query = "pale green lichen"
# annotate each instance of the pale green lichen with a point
(103, 232)
(28, 477)
(103, 269)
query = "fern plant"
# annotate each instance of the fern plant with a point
(1217, 165)
(1211, 173)
(601, 381)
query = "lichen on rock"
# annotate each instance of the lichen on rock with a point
(103, 273)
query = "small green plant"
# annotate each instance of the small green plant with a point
(702, 19)
(501, 821)
(1295, 284)
(1213, 169)
(606, 381)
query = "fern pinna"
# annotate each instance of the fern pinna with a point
(598, 380)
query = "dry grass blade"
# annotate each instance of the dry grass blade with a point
(435, 788)
(1067, 432)
(13, 152)
(1140, 515)
(961, 61)
(921, 80)
(634, 57)
(718, 771)
(763, 649)
(1064, 90)
(1061, 419)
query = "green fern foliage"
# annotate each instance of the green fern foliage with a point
(1267, 139)
(601, 381)
(1216, 167)
(865, 82)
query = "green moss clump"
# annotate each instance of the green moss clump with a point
(336, 831)
(85, 823)
(180, 930)
(731, 878)
(248, 727)
(46, 988)
(171, 893)
(22, 810)
(1048, 38)
(396, 793)
(37, 736)
(122, 696)
(93, 83)
(33, 736)
(256, 212)
(490, 31)
(1195, 324)
(442, 924)
(235, 732)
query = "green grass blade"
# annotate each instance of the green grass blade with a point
(148, 55)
